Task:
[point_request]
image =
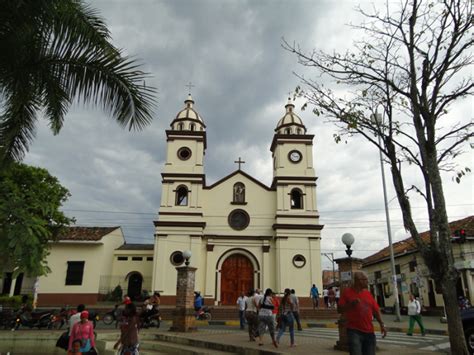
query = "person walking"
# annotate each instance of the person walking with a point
(251, 315)
(83, 331)
(338, 295)
(241, 305)
(359, 306)
(265, 318)
(128, 340)
(276, 304)
(326, 297)
(76, 317)
(331, 297)
(296, 308)
(286, 314)
(414, 312)
(314, 293)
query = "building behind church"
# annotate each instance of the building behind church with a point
(242, 233)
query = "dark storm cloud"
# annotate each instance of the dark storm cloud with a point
(231, 51)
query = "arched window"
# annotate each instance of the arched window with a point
(192, 126)
(298, 131)
(239, 193)
(180, 126)
(182, 196)
(288, 131)
(296, 199)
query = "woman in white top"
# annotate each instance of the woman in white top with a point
(251, 315)
(265, 318)
(414, 311)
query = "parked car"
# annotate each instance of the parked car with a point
(467, 317)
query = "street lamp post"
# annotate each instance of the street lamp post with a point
(347, 266)
(183, 314)
(378, 118)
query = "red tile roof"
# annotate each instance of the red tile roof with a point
(86, 233)
(409, 245)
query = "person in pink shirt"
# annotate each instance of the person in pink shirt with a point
(83, 331)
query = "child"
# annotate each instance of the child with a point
(76, 348)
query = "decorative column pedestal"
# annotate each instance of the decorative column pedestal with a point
(184, 315)
(346, 266)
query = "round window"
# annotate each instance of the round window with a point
(177, 258)
(299, 261)
(184, 153)
(239, 219)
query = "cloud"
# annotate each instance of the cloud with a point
(231, 51)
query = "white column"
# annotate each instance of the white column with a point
(12, 287)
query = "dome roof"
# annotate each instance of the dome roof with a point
(188, 119)
(290, 123)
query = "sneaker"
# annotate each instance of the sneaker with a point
(409, 334)
(292, 345)
(423, 334)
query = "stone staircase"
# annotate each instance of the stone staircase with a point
(231, 313)
(157, 344)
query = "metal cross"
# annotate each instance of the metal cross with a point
(240, 161)
(189, 86)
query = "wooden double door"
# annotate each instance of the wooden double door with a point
(237, 275)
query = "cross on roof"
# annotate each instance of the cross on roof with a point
(189, 86)
(240, 161)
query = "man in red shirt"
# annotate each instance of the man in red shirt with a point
(359, 306)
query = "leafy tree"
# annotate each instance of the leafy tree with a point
(411, 63)
(30, 199)
(53, 52)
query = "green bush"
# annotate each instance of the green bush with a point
(14, 301)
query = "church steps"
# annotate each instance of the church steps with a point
(171, 347)
(220, 313)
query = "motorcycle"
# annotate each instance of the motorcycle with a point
(204, 314)
(59, 319)
(39, 319)
(150, 318)
(112, 316)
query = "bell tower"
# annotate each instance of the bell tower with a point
(180, 219)
(297, 218)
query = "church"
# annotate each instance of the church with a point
(242, 234)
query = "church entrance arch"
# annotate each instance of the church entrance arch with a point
(134, 289)
(237, 275)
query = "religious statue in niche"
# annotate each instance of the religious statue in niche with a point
(239, 193)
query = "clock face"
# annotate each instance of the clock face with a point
(295, 156)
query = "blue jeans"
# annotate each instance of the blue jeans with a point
(287, 320)
(361, 343)
(242, 319)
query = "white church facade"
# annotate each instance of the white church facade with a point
(242, 233)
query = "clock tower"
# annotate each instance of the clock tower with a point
(297, 218)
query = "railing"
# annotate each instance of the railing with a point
(108, 283)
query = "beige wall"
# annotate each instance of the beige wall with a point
(98, 258)
(122, 269)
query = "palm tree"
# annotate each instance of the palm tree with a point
(53, 52)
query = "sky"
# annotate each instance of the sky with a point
(231, 52)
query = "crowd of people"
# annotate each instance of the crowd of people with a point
(263, 313)
(80, 339)
(268, 312)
